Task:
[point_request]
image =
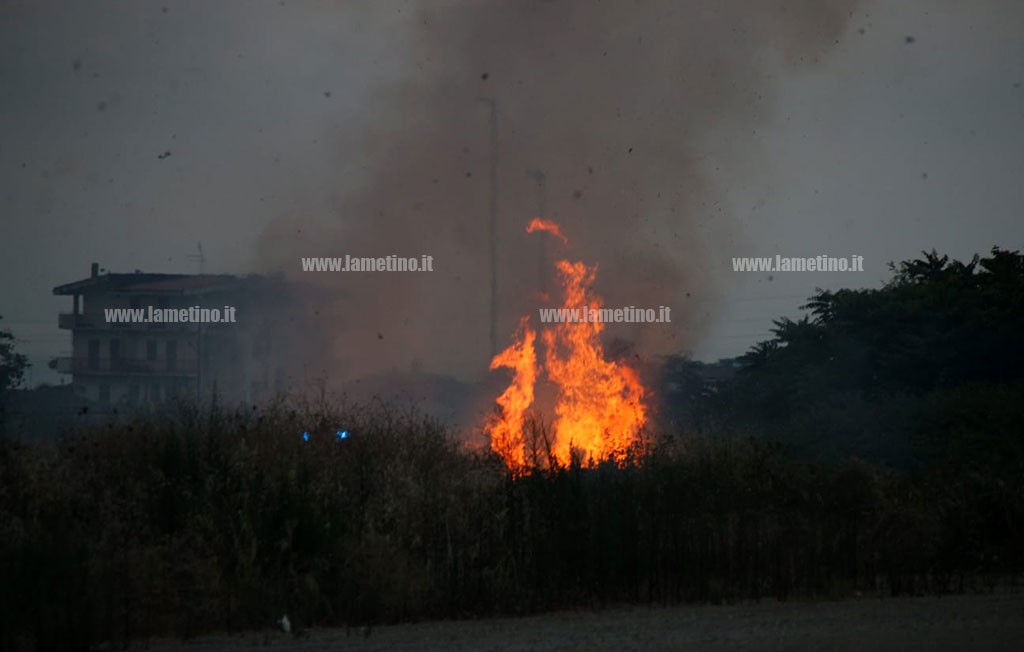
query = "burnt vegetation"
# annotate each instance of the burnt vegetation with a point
(219, 519)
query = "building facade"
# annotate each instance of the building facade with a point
(138, 363)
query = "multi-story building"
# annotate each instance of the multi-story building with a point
(125, 363)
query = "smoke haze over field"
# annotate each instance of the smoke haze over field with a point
(615, 106)
(672, 136)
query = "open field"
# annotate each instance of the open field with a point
(971, 622)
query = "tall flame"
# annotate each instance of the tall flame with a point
(599, 405)
(506, 428)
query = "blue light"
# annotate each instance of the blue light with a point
(305, 436)
(343, 434)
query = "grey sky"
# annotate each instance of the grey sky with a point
(888, 149)
(882, 148)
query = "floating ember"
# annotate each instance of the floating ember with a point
(540, 224)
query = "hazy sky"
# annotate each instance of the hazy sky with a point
(905, 134)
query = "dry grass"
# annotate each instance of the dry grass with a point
(212, 519)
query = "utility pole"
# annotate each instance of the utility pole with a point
(542, 192)
(199, 363)
(493, 225)
(199, 258)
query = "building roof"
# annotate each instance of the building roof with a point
(142, 283)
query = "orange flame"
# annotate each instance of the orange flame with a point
(506, 428)
(599, 404)
(540, 224)
(600, 407)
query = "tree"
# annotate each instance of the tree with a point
(12, 367)
(919, 358)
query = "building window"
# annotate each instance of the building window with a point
(94, 355)
(172, 355)
(151, 350)
(104, 393)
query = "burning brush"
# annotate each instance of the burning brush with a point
(599, 407)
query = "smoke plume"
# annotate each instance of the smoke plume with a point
(621, 106)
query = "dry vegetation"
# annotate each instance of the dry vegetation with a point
(211, 519)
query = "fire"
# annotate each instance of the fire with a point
(506, 430)
(540, 224)
(599, 406)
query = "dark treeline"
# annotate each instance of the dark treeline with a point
(874, 447)
(927, 369)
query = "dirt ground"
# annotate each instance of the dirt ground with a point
(974, 622)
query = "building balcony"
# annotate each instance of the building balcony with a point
(82, 321)
(72, 321)
(125, 367)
